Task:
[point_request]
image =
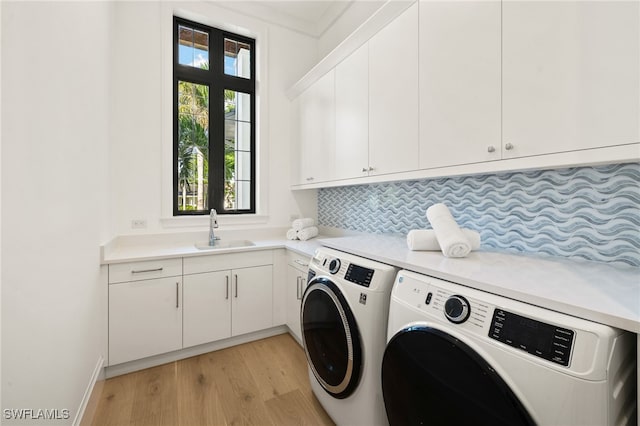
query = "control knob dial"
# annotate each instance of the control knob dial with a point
(457, 309)
(334, 266)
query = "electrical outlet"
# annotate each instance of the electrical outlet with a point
(138, 223)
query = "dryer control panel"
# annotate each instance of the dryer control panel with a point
(544, 340)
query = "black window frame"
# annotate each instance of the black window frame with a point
(218, 82)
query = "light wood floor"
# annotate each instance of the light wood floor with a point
(259, 383)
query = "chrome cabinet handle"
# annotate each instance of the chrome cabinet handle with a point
(177, 295)
(491, 148)
(142, 271)
(508, 146)
(309, 179)
(364, 169)
(227, 282)
(236, 278)
(299, 288)
(370, 169)
(301, 263)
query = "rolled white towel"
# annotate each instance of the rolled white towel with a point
(305, 222)
(307, 233)
(453, 242)
(425, 239)
(292, 234)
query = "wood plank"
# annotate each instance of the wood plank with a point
(198, 401)
(273, 376)
(259, 383)
(286, 348)
(116, 402)
(237, 391)
(155, 397)
(294, 408)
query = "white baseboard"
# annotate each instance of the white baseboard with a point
(153, 361)
(98, 373)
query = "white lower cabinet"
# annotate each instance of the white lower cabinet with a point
(208, 298)
(252, 301)
(228, 303)
(145, 318)
(296, 284)
(227, 295)
(207, 316)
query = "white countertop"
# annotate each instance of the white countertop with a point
(590, 290)
(154, 250)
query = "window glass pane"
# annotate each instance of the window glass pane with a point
(193, 146)
(237, 150)
(237, 177)
(243, 195)
(237, 58)
(243, 165)
(229, 176)
(239, 134)
(237, 106)
(193, 47)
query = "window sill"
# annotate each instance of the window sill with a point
(223, 220)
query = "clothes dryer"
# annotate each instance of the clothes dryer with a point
(344, 321)
(458, 356)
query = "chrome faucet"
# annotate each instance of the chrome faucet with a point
(213, 223)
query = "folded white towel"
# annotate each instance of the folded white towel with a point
(305, 222)
(453, 242)
(425, 239)
(292, 234)
(307, 233)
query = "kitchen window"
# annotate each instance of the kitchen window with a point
(213, 120)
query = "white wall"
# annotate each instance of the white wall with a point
(355, 15)
(54, 201)
(141, 143)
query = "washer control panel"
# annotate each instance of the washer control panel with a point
(359, 275)
(538, 338)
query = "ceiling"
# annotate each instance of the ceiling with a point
(311, 17)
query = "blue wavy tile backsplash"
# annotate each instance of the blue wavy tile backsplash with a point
(590, 213)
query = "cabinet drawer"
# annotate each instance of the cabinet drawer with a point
(219, 262)
(298, 261)
(135, 271)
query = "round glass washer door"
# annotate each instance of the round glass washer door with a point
(431, 377)
(331, 338)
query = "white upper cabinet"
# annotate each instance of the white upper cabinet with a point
(459, 82)
(393, 96)
(317, 130)
(571, 73)
(352, 115)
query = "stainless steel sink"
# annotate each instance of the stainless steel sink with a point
(222, 244)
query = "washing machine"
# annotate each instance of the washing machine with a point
(344, 325)
(458, 356)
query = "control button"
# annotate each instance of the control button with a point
(457, 309)
(428, 299)
(334, 266)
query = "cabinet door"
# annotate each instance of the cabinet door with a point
(295, 288)
(571, 73)
(459, 82)
(352, 115)
(317, 130)
(207, 307)
(252, 299)
(393, 96)
(145, 318)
